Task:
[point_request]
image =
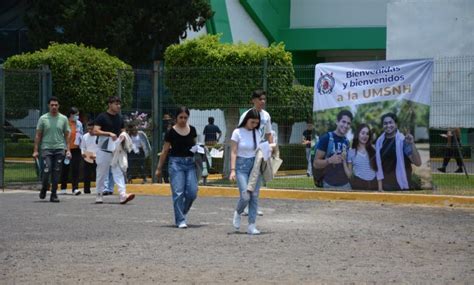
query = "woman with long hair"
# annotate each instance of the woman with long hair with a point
(182, 170)
(244, 143)
(361, 165)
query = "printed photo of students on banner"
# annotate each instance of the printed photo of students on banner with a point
(373, 117)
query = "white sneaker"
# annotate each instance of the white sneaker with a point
(236, 220)
(246, 212)
(63, 192)
(77, 192)
(252, 230)
(99, 199)
(182, 225)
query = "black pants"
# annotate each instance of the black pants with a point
(74, 165)
(89, 175)
(361, 184)
(136, 165)
(450, 152)
(52, 160)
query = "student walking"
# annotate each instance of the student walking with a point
(73, 164)
(52, 133)
(182, 169)
(244, 143)
(109, 126)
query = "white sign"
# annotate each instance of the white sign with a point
(353, 83)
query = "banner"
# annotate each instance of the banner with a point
(353, 83)
(372, 119)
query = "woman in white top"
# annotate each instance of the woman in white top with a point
(361, 166)
(244, 143)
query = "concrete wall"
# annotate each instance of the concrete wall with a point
(338, 13)
(430, 28)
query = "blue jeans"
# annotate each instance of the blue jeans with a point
(52, 162)
(243, 167)
(109, 183)
(184, 185)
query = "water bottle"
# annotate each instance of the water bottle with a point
(66, 161)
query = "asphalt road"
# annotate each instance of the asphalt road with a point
(77, 241)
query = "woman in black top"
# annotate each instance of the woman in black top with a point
(178, 143)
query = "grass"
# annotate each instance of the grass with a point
(20, 172)
(445, 184)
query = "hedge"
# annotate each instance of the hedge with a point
(205, 74)
(82, 76)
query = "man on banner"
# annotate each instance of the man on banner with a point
(330, 153)
(395, 153)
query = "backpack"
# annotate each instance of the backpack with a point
(318, 174)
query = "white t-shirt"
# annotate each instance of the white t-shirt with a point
(245, 143)
(88, 143)
(265, 123)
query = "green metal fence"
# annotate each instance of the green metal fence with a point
(224, 93)
(24, 94)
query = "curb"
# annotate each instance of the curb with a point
(393, 198)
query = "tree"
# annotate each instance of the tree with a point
(82, 76)
(137, 32)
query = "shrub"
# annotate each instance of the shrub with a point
(203, 73)
(82, 76)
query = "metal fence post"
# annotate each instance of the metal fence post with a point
(2, 127)
(156, 115)
(46, 88)
(265, 75)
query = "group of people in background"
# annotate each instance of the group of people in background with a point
(108, 147)
(387, 165)
(104, 150)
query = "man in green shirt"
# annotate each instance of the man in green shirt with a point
(52, 133)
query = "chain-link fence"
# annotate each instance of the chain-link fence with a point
(24, 94)
(224, 93)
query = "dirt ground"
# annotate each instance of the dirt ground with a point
(77, 241)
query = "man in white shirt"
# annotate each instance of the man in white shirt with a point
(259, 99)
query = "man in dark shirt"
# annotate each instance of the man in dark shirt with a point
(331, 151)
(211, 132)
(394, 167)
(108, 126)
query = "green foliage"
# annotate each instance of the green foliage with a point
(82, 76)
(23, 149)
(203, 73)
(299, 107)
(136, 31)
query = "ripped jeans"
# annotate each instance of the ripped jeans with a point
(52, 163)
(243, 168)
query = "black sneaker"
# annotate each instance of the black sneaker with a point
(42, 193)
(106, 193)
(459, 170)
(442, 169)
(54, 199)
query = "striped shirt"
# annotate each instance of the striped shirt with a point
(361, 165)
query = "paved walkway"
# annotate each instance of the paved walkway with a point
(77, 241)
